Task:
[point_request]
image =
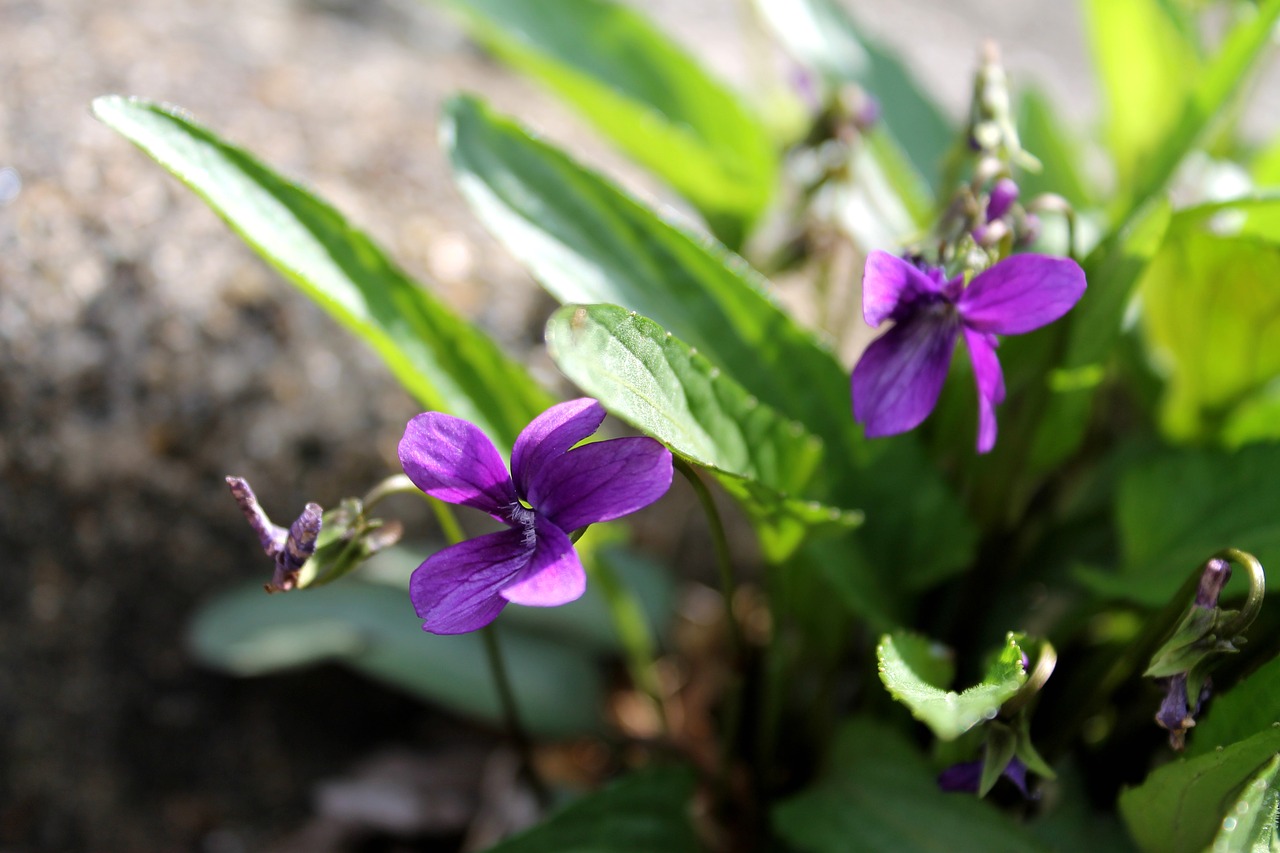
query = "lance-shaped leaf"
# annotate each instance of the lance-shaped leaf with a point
(442, 360)
(655, 382)
(910, 669)
(823, 36)
(646, 811)
(1182, 806)
(588, 242)
(879, 794)
(642, 91)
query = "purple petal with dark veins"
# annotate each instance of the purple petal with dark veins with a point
(601, 481)
(897, 381)
(550, 435)
(1021, 293)
(451, 459)
(890, 284)
(554, 576)
(990, 379)
(457, 589)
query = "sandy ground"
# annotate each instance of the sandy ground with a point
(145, 353)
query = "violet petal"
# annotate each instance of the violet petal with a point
(990, 380)
(601, 481)
(1021, 293)
(550, 435)
(897, 381)
(452, 460)
(890, 283)
(553, 576)
(456, 590)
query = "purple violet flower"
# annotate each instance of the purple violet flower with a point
(898, 379)
(553, 489)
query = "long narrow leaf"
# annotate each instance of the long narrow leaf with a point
(441, 359)
(642, 91)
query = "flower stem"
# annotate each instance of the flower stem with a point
(497, 667)
(734, 697)
(637, 639)
(511, 713)
(723, 560)
(396, 484)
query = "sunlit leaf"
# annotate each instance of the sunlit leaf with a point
(642, 91)
(442, 360)
(909, 667)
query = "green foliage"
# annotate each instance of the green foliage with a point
(656, 383)
(913, 669)
(1248, 708)
(1211, 316)
(1250, 824)
(641, 813)
(445, 362)
(1181, 806)
(1175, 509)
(878, 795)
(643, 92)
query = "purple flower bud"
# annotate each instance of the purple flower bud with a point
(1175, 714)
(1029, 230)
(867, 113)
(289, 548)
(1003, 195)
(1216, 574)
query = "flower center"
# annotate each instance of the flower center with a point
(522, 515)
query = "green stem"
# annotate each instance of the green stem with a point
(1257, 590)
(396, 484)
(724, 561)
(511, 713)
(734, 697)
(637, 639)
(497, 667)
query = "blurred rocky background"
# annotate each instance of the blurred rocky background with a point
(145, 353)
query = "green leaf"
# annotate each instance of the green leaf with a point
(909, 662)
(1249, 826)
(1248, 708)
(587, 242)
(1147, 62)
(1181, 806)
(822, 35)
(1211, 318)
(647, 811)
(372, 628)
(878, 795)
(656, 383)
(1216, 84)
(1117, 262)
(1176, 509)
(443, 361)
(642, 91)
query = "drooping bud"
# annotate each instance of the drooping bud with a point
(1003, 195)
(290, 549)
